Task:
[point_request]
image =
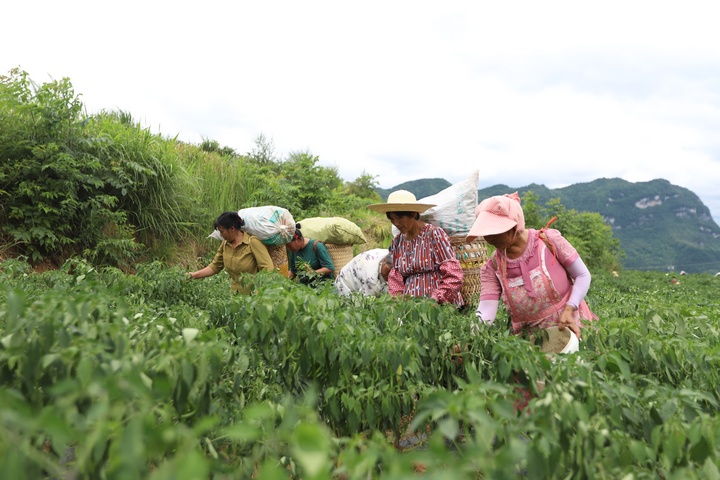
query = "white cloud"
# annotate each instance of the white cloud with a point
(554, 92)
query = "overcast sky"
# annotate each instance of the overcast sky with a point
(550, 92)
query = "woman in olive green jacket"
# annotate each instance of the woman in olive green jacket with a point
(238, 253)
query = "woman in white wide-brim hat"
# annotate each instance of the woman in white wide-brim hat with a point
(538, 274)
(424, 261)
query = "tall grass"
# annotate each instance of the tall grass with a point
(221, 180)
(148, 177)
(233, 182)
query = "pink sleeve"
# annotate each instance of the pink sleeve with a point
(487, 311)
(451, 281)
(564, 251)
(396, 283)
(451, 274)
(581, 281)
(490, 287)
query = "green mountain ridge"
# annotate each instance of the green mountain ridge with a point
(660, 226)
(421, 188)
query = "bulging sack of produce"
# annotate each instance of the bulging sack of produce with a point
(274, 226)
(454, 209)
(337, 230)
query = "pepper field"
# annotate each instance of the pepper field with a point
(108, 375)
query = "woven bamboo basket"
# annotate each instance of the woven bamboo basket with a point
(340, 254)
(471, 256)
(279, 257)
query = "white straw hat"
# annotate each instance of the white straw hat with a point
(400, 201)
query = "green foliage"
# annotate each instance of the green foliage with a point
(312, 185)
(144, 172)
(104, 374)
(220, 183)
(71, 183)
(110, 375)
(589, 234)
(213, 146)
(264, 151)
(49, 182)
(297, 183)
(364, 187)
(306, 274)
(535, 215)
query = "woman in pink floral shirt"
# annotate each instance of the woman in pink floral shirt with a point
(424, 261)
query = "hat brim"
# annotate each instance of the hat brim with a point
(487, 223)
(400, 207)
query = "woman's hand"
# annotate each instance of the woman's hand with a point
(567, 319)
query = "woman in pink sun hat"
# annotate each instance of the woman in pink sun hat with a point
(538, 274)
(424, 261)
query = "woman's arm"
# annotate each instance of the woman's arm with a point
(205, 272)
(581, 282)
(327, 267)
(215, 266)
(292, 263)
(451, 281)
(490, 291)
(396, 283)
(261, 254)
(451, 273)
(487, 311)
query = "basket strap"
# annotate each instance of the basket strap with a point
(543, 236)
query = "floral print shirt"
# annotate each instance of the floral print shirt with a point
(426, 266)
(362, 274)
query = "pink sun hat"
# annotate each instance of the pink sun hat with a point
(497, 214)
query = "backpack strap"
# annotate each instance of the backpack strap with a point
(315, 244)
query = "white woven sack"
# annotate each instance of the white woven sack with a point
(274, 226)
(454, 209)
